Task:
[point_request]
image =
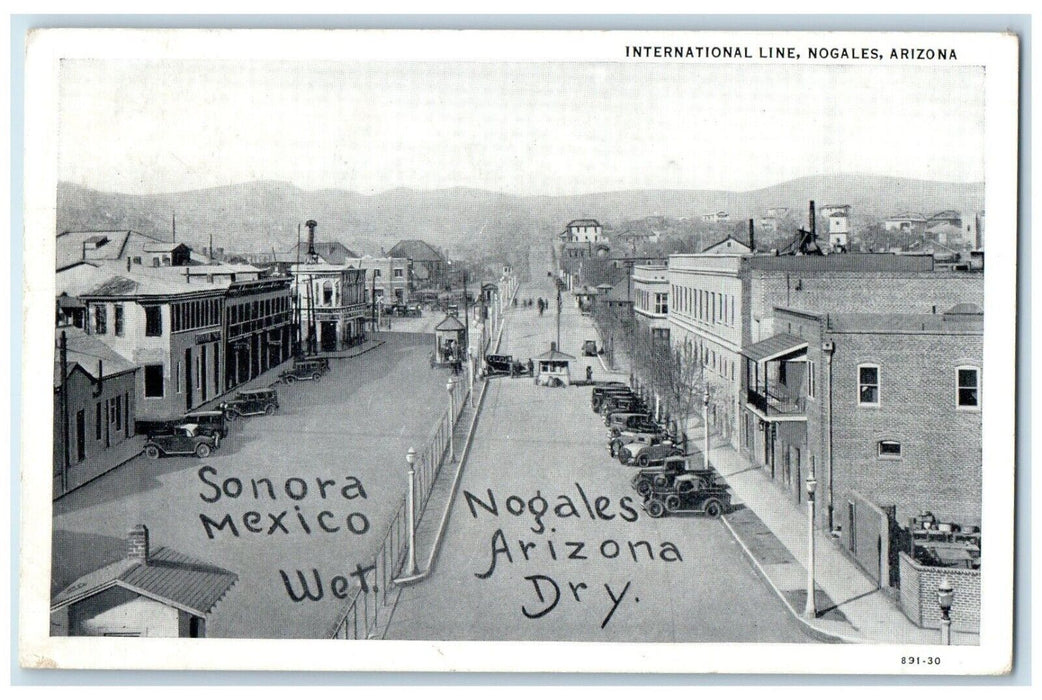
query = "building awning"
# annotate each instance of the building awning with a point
(775, 348)
(450, 324)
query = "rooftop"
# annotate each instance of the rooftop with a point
(151, 281)
(85, 351)
(168, 577)
(582, 222)
(415, 250)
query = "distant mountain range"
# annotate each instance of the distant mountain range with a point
(259, 216)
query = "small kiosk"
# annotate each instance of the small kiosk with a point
(448, 342)
(553, 368)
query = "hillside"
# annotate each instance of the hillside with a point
(259, 216)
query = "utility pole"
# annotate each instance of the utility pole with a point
(466, 313)
(63, 358)
(558, 287)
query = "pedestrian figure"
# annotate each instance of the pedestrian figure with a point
(589, 373)
(531, 367)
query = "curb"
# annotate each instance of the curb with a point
(811, 628)
(464, 453)
(357, 354)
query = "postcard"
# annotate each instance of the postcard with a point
(519, 351)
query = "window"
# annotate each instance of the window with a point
(811, 379)
(101, 320)
(399, 273)
(97, 421)
(967, 387)
(179, 377)
(153, 321)
(868, 385)
(661, 303)
(153, 381)
(327, 293)
(888, 449)
(117, 319)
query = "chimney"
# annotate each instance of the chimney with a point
(137, 544)
(553, 346)
(752, 236)
(813, 221)
(311, 224)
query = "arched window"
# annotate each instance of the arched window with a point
(327, 293)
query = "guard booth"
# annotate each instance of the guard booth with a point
(448, 342)
(554, 368)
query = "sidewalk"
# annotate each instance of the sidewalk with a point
(773, 532)
(114, 457)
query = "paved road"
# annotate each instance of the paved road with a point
(676, 579)
(357, 421)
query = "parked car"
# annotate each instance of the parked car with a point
(302, 371)
(612, 412)
(662, 477)
(618, 442)
(629, 403)
(601, 390)
(637, 422)
(649, 455)
(504, 366)
(319, 363)
(181, 440)
(688, 495)
(252, 402)
(211, 422)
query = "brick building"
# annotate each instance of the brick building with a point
(884, 407)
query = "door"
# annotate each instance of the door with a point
(188, 379)
(202, 370)
(328, 332)
(851, 528)
(81, 436)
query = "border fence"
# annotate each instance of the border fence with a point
(360, 615)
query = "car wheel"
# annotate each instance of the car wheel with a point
(624, 457)
(315, 377)
(269, 410)
(290, 379)
(714, 508)
(643, 461)
(643, 487)
(672, 503)
(655, 508)
(152, 452)
(202, 450)
(660, 482)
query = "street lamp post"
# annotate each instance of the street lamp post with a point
(410, 459)
(811, 609)
(449, 386)
(470, 372)
(945, 597)
(705, 425)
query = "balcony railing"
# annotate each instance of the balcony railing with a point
(770, 405)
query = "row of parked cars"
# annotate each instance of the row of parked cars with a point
(199, 433)
(665, 480)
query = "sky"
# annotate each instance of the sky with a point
(152, 126)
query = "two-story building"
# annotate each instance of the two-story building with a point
(170, 327)
(583, 231)
(388, 280)
(884, 408)
(258, 328)
(428, 266)
(331, 305)
(722, 304)
(651, 300)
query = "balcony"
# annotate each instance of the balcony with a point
(771, 407)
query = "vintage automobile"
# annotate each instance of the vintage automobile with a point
(181, 440)
(602, 390)
(319, 363)
(209, 422)
(590, 348)
(412, 311)
(613, 403)
(644, 455)
(252, 402)
(504, 366)
(302, 371)
(688, 495)
(637, 422)
(618, 442)
(662, 477)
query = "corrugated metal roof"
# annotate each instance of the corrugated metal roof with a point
(555, 355)
(85, 350)
(169, 577)
(774, 347)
